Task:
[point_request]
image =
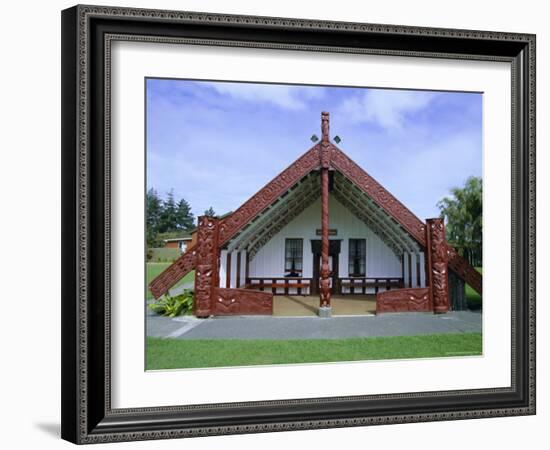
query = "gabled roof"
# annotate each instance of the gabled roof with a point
(296, 187)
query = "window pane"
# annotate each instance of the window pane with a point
(293, 255)
(357, 257)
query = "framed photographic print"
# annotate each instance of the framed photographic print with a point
(282, 224)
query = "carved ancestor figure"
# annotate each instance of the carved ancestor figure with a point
(325, 126)
(206, 274)
(325, 271)
(439, 265)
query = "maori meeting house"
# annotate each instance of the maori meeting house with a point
(321, 228)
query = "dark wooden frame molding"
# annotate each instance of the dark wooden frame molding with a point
(87, 415)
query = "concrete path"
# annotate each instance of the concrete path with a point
(268, 327)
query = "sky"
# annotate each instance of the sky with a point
(217, 143)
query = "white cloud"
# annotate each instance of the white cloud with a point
(387, 108)
(287, 97)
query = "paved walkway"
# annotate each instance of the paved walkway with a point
(268, 327)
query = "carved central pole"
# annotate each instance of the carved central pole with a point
(325, 164)
(325, 271)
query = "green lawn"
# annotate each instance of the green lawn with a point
(472, 297)
(176, 353)
(154, 269)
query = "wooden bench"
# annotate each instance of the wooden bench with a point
(279, 283)
(361, 284)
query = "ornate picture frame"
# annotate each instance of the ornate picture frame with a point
(87, 413)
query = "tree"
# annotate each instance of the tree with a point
(153, 213)
(168, 217)
(184, 218)
(210, 212)
(463, 215)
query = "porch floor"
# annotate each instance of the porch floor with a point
(308, 305)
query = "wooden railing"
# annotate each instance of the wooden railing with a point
(359, 285)
(302, 285)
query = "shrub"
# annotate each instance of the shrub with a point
(174, 306)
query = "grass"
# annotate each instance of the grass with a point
(179, 354)
(154, 269)
(472, 297)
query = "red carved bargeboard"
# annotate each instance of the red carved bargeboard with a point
(403, 300)
(181, 267)
(207, 265)
(464, 270)
(381, 196)
(229, 302)
(269, 193)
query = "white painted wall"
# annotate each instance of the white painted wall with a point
(381, 261)
(233, 274)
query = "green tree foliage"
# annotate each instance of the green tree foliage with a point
(166, 217)
(154, 211)
(463, 215)
(210, 212)
(184, 217)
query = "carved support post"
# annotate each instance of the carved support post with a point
(437, 265)
(207, 268)
(325, 272)
(325, 164)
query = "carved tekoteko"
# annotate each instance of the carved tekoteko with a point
(403, 300)
(438, 264)
(207, 265)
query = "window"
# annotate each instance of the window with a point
(293, 255)
(357, 257)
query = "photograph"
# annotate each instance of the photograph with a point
(276, 223)
(299, 224)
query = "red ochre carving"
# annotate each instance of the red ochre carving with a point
(403, 300)
(241, 301)
(269, 193)
(464, 270)
(207, 265)
(438, 265)
(324, 291)
(329, 154)
(181, 267)
(371, 187)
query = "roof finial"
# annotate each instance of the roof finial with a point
(325, 126)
